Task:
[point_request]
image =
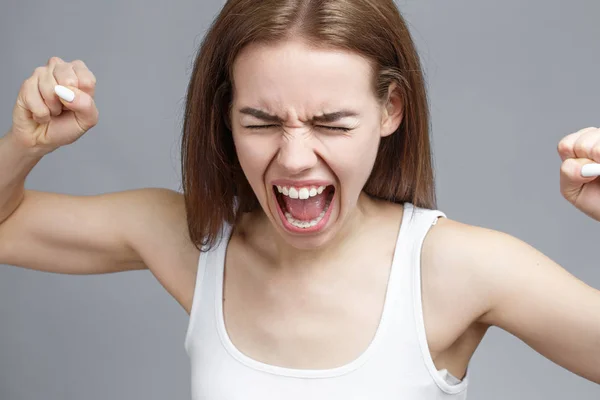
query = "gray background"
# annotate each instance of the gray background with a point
(507, 80)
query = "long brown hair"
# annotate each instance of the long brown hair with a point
(212, 178)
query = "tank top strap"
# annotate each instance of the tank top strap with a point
(396, 364)
(413, 228)
(407, 327)
(209, 270)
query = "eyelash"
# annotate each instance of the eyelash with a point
(333, 128)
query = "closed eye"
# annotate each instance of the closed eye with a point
(333, 128)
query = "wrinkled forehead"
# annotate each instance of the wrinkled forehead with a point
(293, 74)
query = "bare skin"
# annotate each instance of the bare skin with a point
(158, 216)
(258, 293)
(463, 293)
(147, 228)
(472, 277)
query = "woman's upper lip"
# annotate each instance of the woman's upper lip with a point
(301, 183)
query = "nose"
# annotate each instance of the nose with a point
(296, 153)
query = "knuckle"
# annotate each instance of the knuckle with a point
(66, 76)
(26, 83)
(54, 60)
(55, 111)
(70, 82)
(595, 152)
(587, 133)
(41, 112)
(29, 84)
(564, 168)
(86, 83)
(565, 149)
(580, 147)
(39, 70)
(563, 146)
(78, 63)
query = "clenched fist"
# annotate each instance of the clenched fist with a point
(582, 190)
(45, 121)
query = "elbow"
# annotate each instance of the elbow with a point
(11, 206)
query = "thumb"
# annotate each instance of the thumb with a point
(571, 179)
(81, 103)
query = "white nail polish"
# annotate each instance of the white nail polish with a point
(589, 170)
(64, 93)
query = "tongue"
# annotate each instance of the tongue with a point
(306, 210)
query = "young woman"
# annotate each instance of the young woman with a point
(306, 246)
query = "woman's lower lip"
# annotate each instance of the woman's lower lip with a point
(318, 227)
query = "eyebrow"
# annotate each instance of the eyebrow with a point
(331, 117)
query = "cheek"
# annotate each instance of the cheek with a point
(253, 156)
(356, 158)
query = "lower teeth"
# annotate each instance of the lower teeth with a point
(306, 224)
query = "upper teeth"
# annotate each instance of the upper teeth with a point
(300, 193)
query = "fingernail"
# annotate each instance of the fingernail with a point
(64, 93)
(589, 170)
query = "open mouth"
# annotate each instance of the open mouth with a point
(305, 208)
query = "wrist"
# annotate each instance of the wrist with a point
(22, 148)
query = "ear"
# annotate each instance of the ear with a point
(393, 112)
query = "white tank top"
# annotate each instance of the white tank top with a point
(396, 365)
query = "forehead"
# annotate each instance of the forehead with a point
(293, 74)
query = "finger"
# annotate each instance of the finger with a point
(81, 103)
(53, 61)
(571, 180)
(46, 88)
(87, 80)
(65, 75)
(32, 100)
(47, 83)
(565, 146)
(585, 144)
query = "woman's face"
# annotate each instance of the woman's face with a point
(306, 127)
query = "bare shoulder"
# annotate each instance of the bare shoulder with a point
(454, 290)
(475, 277)
(482, 272)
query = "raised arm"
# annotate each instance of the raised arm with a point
(540, 302)
(104, 233)
(507, 283)
(42, 122)
(61, 233)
